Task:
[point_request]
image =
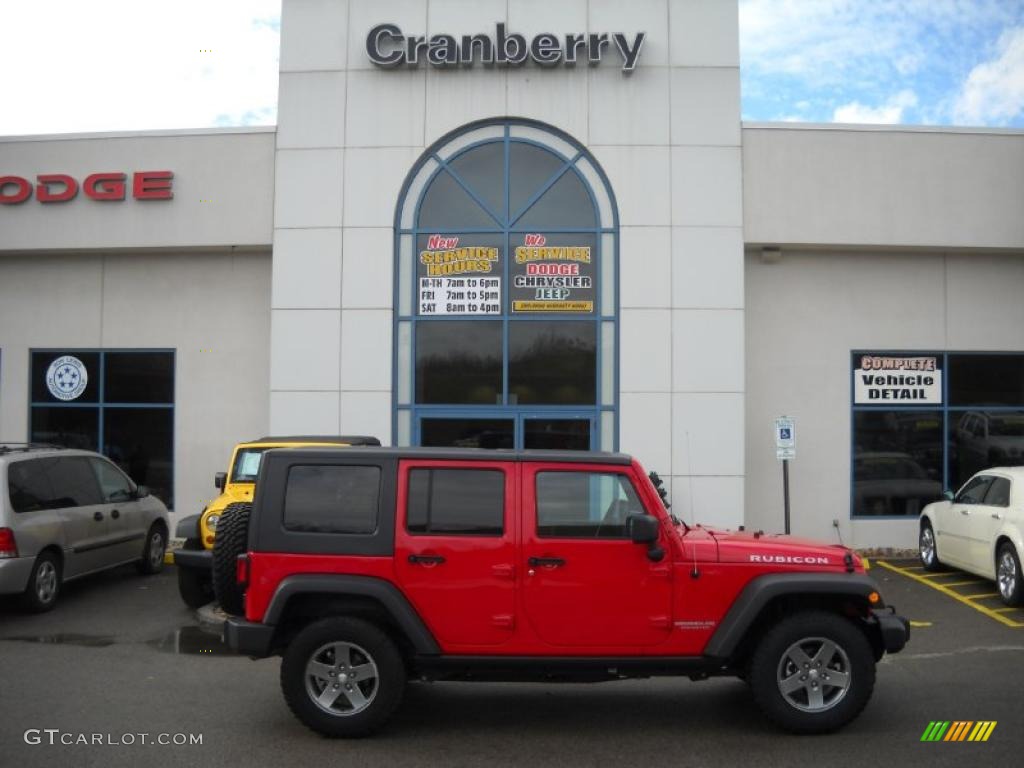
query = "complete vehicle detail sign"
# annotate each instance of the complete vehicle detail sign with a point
(459, 275)
(387, 46)
(894, 378)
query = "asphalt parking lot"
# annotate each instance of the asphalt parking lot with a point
(121, 655)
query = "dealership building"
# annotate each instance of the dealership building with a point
(524, 224)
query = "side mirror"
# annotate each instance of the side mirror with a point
(141, 492)
(220, 480)
(947, 495)
(643, 529)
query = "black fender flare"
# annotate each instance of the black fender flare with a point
(762, 590)
(387, 594)
(188, 527)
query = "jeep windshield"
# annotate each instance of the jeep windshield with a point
(247, 465)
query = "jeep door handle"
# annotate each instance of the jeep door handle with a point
(426, 559)
(547, 562)
(965, 511)
(115, 514)
(997, 515)
(97, 516)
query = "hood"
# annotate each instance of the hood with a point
(234, 492)
(776, 549)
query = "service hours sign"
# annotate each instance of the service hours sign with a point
(459, 275)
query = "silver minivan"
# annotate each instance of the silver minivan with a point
(68, 513)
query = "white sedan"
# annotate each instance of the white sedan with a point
(980, 530)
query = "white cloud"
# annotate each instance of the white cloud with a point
(889, 113)
(993, 92)
(130, 65)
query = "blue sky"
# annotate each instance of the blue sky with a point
(201, 63)
(945, 62)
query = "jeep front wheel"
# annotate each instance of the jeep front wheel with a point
(812, 672)
(342, 677)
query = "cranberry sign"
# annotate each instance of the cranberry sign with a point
(61, 187)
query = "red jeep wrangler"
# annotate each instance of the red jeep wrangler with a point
(367, 567)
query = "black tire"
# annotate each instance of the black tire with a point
(230, 541)
(1009, 579)
(195, 587)
(153, 550)
(829, 645)
(928, 547)
(378, 687)
(44, 584)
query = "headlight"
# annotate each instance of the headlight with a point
(211, 522)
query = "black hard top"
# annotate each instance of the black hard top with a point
(341, 439)
(467, 454)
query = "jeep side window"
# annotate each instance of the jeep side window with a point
(332, 499)
(585, 505)
(974, 491)
(456, 501)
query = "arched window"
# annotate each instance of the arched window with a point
(506, 297)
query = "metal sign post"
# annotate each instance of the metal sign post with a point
(785, 449)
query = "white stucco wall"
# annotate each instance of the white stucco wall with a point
(668, 136)
(806, 314)
(210, 307)
(883, 186)
(223, 190)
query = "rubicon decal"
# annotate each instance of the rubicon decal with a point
(62, 187)
(387, 46)
(790, 559)
(959, 730)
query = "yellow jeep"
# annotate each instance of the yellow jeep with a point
(236, 486)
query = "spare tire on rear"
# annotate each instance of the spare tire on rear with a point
(230, 541)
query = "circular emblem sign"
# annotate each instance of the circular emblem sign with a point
(66, 378)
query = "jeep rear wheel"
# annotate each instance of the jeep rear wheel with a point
(230, 541)
(812, 672)
(342, 677)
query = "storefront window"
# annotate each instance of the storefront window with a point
(118, 403)
(924, 422)
(506, 245)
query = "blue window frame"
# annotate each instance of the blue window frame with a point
(118, 402)
(938, 425)
(534, 361)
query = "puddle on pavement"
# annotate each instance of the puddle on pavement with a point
(64, 638)
(190, 641)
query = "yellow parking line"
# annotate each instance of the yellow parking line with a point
(992, 614)
(1004, 610)
(983, 594)
(961, 583)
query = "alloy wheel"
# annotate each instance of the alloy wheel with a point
(927, 546)
(814, 674)
(341, 679)
(46, 582)
(1006, 574)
